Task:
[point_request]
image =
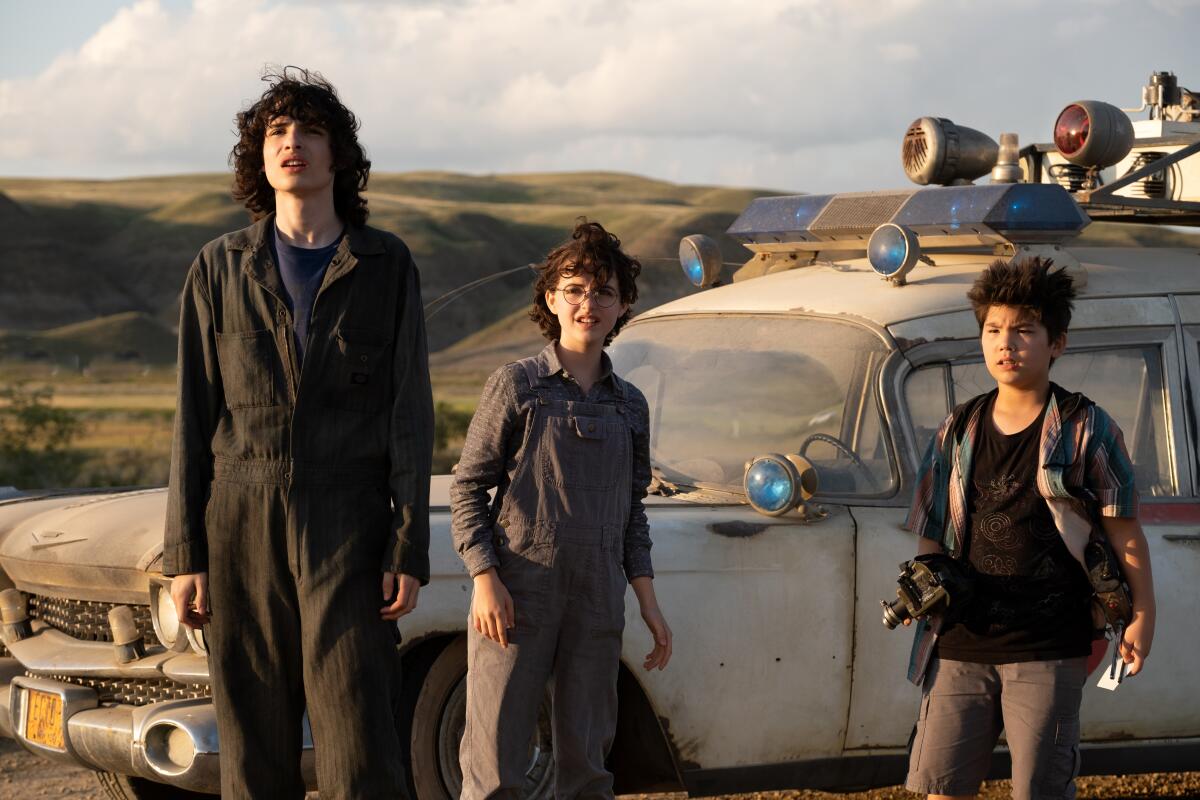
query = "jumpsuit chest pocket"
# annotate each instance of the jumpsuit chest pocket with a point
(584, 446)
(357, 378)
(250, 368)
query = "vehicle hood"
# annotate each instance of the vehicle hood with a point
(93, 546)
(104, 545)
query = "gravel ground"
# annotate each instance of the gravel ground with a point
(23, 775)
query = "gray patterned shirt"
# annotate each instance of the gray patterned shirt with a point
(493, 449)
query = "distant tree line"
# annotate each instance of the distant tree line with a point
(39, 445)
(36, 439)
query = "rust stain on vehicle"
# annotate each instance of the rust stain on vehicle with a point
(684, 750)
(737, 529)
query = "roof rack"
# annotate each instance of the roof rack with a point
(1104, 204)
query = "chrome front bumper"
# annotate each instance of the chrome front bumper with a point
(172, 742)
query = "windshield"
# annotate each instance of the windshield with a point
(725, 389)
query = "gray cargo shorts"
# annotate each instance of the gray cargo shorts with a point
(965, 706)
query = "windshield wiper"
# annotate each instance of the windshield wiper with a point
(659, 484)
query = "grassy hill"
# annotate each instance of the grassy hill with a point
(129, 336)
(115, 252)
(80, 250)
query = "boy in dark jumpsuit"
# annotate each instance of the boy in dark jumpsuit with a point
(300, 467)
(565, 443)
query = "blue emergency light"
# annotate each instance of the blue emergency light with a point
(893, 251)
(775, 484)
(952, 215)
(700, 257)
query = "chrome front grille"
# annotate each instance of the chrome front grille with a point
(86, 619)
(137, 692)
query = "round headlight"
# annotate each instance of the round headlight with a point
(893, 251)
(166, 622)
(198, 642)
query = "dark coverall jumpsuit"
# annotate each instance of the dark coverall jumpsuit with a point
(295, 489)
(565, 533)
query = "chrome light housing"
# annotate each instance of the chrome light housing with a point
(171, 632)
(1093, 134)
(935, 150)
(700, 258)
(775, 484)
(893, 251)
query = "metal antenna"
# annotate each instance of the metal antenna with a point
(437, 304)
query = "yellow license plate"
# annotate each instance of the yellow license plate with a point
(44, 719)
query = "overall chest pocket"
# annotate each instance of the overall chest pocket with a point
(358, 377)
(584, 448)
(250, 369)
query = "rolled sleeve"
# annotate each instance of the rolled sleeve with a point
(481, 468)
(927, 514)
(637, 531)
(1109, 473)
(410, 446)
(200, 402)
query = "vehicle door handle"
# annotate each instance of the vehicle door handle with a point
(1182, 537)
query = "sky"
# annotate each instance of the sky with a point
(795, 95)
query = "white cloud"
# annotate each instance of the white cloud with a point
(900, 51)
(800, 94)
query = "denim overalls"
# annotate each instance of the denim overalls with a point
(558, 537)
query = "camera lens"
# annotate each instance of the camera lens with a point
(894, 613)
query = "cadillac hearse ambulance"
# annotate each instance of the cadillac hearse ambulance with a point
(790, 406)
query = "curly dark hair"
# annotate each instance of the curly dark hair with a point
(597, 252)
(306, 97)
(1029, 284)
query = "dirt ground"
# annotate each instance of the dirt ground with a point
(23, 775)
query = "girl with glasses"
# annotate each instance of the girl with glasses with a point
(565, 443)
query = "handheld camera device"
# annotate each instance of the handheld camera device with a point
(928, 583)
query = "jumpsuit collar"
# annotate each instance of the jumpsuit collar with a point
(259, 265)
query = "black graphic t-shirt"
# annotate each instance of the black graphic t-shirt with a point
(1031, 595)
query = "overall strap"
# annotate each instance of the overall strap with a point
(535, 382)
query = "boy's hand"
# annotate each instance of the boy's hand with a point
(190, 594)
(406, 588)
(1136, 640)
(1129, 542)
(492, 612)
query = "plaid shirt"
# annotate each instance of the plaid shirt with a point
(1083, 473)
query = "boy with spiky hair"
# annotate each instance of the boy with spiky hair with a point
(1013, 485)
(298, 501)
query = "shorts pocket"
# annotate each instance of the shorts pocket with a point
(250, 369)
(1063, 758)
(358, 377)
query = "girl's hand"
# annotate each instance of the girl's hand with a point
(492, 612)
(661, 654)
(643, 587)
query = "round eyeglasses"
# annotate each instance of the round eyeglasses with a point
(604, 296)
